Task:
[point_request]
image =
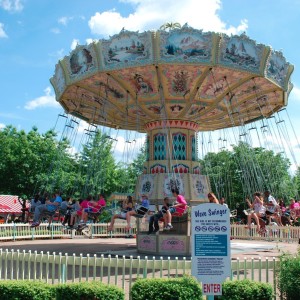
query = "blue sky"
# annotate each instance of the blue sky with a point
(35, 34)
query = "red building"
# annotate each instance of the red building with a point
(9, 206)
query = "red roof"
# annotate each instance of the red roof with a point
(10, 204)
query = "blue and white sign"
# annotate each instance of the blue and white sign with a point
(211, 259)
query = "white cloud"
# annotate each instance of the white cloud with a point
(74, 43)
(151, 14)
(124, 151)
(2, 32)
(47, 100)
(64, 20)
(2, 126)
(89, 41)
(83, 126)
(240, 28)
(55, 30)
(295, 93)
(12, 5)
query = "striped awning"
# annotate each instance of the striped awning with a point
(9, 204)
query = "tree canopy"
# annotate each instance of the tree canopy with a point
(36, 163)
(33, 162)
(239, 173)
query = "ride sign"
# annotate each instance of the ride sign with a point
(211, 260)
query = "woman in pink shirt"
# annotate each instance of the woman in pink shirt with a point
(294, 204)
(92, 207)
(294, 209)
(179, 207)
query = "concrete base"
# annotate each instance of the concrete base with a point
(173, 242)
(163, 244)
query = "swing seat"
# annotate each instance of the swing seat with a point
(179, 213)
(93, 215)
(233, 213)
(50, 215)
(141, 211)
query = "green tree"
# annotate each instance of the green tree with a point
(61, 172)
(238, 173)
(98, 168)
(296, 182)
(224, 175)
(135, 169)
(27, 161)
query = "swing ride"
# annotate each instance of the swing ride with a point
(172, 85)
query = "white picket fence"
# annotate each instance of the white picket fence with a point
(18, 231)
(288, 234)
(120, 271)
(56, 230)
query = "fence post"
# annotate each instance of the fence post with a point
(274, 276)
(92, 231)
(63, 274)
(14, 231)
(52, 233)
(145, 267)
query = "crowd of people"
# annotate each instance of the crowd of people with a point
(77, 212)
(164, 214)
(263, 209)
(74, 211)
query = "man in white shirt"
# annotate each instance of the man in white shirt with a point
(222, 202)
(271, 208)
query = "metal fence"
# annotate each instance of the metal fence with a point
(120, 271)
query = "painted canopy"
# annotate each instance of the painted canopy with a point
(212, 79)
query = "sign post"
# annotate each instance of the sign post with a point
(211, 259)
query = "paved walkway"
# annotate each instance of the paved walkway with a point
(127, 247)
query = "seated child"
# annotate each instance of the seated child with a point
(156, 217)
